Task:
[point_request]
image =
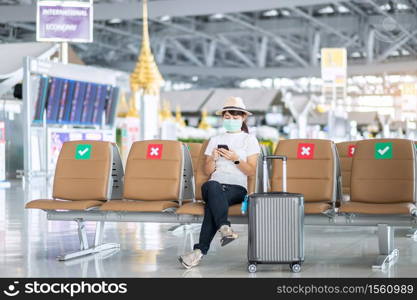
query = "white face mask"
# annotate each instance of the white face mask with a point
(232, 125)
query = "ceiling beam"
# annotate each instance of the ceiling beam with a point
(187, 53)
(262, 52)
(399, 67)
(211, 53)
(274, 37)
(323, 25)
(218, 38)
(400, 26)
(29, 27)
(395, 45)
(160, 55)
(177, 8)
(130, 35)
(243, 57)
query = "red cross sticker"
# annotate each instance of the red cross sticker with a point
(154, 151)
(351, 150)
(305, 151)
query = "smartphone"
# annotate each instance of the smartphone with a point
(223, 146)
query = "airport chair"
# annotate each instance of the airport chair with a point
(346, 151)
(194, 149)
(158, 178)
(383, 189)
(312, 170)
(87, 174)
(196, 208)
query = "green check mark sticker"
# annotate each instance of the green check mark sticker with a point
(83, 152)
(383, 150)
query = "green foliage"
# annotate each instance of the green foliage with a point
(191, 140)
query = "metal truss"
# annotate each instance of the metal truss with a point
(233, 42)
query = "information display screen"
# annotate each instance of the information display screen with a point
(72, 102)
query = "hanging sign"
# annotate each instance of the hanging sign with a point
(333, 65)
(408, 98)
(2, 152)
(64, 21)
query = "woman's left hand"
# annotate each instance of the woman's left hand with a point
(229, 154)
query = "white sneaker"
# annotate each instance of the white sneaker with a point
(228, 235)
(191, 259)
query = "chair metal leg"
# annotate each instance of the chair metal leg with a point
(82, 234)
(98, 238)
(96, 258)
(187, 242)
(84, 269)
(412, 233)
(176, 228)
(191, 234)
(84, 247)
(183, 228)
(387, 253)
(98, 266)
(184, 245)
(192, 227)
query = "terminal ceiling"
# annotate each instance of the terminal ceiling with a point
(219, 43)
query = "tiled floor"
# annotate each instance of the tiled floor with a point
(29, 245)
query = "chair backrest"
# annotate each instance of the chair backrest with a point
(255, 182)
(311, 169)
(155, 170)
(201, 177)
(194, 149)
(84, 171)
(383, 171)
(346, 151)
(117, 175)
(259, 170)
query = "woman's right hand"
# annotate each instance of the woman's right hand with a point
(215, 154)
(210, 165)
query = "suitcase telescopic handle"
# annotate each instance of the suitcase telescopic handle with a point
(265, 171)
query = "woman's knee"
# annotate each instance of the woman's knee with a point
(208, 185)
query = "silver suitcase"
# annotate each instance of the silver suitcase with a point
(276, 224)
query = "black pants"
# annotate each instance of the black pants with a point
(218, 197)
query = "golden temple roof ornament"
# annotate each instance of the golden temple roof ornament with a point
(204, 124)
(178, 117)
(146, 75)
(123, 107)
(165, 113)
(133, 111)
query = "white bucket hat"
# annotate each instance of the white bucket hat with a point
(233, 103)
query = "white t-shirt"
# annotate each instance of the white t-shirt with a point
(226, 171)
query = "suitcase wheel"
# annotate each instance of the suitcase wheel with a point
(295, 267)
(252, 268)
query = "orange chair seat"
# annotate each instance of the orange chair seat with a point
(137, 205)
(197, 208)
(378, 209)
(316, 208)
(49, 204)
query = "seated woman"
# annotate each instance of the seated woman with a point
(230, 158)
